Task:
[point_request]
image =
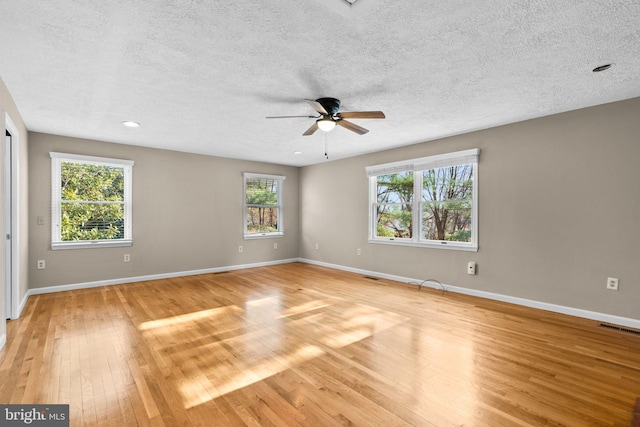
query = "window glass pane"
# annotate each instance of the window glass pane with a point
(450, 183)
(262, 191)
(394, 220)
(447, 203)
(395, 188)
(449, 221)
(262, 220)
(394, 193)
(88, 221)
(80, 181)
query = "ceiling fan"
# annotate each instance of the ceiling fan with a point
(330, 116)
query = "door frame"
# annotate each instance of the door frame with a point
(14, 287)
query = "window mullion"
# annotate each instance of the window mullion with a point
(93, 202)
(417, 199)
(263, 206)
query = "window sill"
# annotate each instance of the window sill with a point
(262, 235)
(444, 245)
(89, 244)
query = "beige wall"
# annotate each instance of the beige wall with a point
(7, 105)
(187, 215)
(558, 200)
(559, 211)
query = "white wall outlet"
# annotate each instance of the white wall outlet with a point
(358, 251)
(127, 257)
(275, 246)
(41, 264)
(612, 283)
(317, 247)
(471, 268)
(240, 248)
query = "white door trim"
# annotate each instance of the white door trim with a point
(15, 241)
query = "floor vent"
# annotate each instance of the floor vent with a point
(620, 328)
(221, 272)
(371, 278)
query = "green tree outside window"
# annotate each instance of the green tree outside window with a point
(92, 202)
(262, 205)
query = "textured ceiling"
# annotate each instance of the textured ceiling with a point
(200, 76)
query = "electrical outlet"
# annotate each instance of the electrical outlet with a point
(240, 248)
(41, 264)
(358, 251)
(275, 246)
(612, 283)
(127, 258)
(317, 247)
(471, 268)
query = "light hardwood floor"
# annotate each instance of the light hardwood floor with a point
(298, 344)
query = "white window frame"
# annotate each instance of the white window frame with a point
(280, 179)
(417, 166)
(56, 201)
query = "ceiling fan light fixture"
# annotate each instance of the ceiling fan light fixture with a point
(326, 124)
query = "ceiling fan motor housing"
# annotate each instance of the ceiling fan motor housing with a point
(331, 105)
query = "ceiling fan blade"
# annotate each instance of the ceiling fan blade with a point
(317, 106)
(352, 127)
(362, 115)
(311, 130)
(291, 117)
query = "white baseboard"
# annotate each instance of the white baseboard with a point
(3, 341)
(120, 281)
(601, 317)
(593, 315)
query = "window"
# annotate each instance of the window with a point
(263, 205)
(91, 201)
(431, 201)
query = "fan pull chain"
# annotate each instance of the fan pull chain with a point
(326, 146)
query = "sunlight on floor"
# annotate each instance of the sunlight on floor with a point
(441, 374)
(303, 308)
(258, 342)
(200, 390)
(189, 317)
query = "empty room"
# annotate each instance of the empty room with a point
(321, 213)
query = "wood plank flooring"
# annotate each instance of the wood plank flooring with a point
(298, 344)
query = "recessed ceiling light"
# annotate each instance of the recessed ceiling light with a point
(297, 152)
(131, 124)
(603, 67)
